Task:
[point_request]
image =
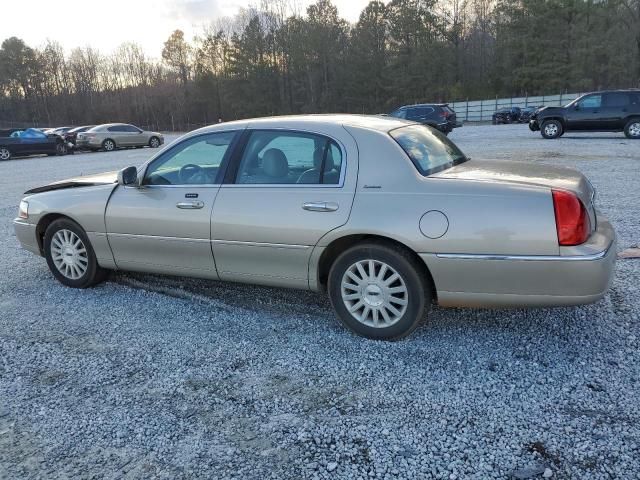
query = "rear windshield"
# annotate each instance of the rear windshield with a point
(429, 150)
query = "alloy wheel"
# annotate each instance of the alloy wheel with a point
(551, 130)
(69, 254)
(155, 143)
(634, 129)
(374, 293)
(5, 154)
(108, 145)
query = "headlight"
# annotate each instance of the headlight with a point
(23, 211)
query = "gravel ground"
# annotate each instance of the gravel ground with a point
(154, 377)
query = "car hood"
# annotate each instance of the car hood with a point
(522, 173)
(548, 110)
(83, 181)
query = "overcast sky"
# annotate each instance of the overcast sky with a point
(107, 24)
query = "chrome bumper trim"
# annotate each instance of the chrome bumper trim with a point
(527, 258)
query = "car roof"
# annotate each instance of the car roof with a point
(424, 105)
(371, 122)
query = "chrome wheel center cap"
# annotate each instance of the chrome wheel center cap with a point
(373, 295)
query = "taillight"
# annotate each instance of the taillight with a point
(572, 220)
(444, 114)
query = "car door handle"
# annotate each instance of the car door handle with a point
(190, 205)
(320, 206)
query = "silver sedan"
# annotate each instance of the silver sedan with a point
(385, 215)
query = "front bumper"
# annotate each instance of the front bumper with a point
(26, 235)
(578, 275)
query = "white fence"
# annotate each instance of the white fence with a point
(481, 110)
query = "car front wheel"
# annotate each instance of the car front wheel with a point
(551, 129)
(632, 129)
(377, 292)
(154, 142)
(70, 256)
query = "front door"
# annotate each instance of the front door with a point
(586, 114)
(164, 225)
(286, 191)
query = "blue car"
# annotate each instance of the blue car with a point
(16, 143)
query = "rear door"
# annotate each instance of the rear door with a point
(287, 190)
(615, 110)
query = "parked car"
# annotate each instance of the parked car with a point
(18, 143)
(526, 113)
(110, 136)
(58, 131)
(506, 115)
(71, 136)
(608, 111)
(437, 115)
(386, 216)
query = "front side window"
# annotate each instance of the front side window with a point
(277, 157)
(429, 150)
(195, 161)
(131, 129)
(117, 128)
(592, 101)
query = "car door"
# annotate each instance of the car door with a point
(284, 192)
(586, 113)
(164, 225)
(615, 110)
(136, 136)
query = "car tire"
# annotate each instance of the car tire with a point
(632, 129)
(551, 129)
(108, 145)
(70, 255)
(154, 142)
(5, 153)
(377, 292)
(61, 149)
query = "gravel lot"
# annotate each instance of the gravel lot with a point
(152, 377)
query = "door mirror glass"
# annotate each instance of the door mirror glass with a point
(128, 176)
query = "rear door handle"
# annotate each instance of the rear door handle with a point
(190, 205)
(320, 206)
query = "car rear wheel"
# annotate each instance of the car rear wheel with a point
(61, 149)
(551, 129)
(70, 255)
(632, 129)
(154, 142)
(108, 145)
(377, 292)
(5, 153)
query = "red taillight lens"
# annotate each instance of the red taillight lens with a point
(444, 114)
(572, 221)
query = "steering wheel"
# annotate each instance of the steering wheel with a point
(190, 172)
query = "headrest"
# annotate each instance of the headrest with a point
(274, 163)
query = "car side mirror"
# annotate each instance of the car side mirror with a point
(576, 106)
(128, 177)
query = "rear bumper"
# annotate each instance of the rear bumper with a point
(579, 275)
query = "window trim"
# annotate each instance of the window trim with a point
(226, 160)
(234, 167)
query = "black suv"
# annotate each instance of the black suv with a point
(437, 115)
(506, 115)
(611, 111)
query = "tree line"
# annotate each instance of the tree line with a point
(274, 60)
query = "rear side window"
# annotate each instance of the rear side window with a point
(419, 113)
(616, 100)
(117, 128)
(288, 157)
(429, 150)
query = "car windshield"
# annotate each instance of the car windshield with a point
(428, 149)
